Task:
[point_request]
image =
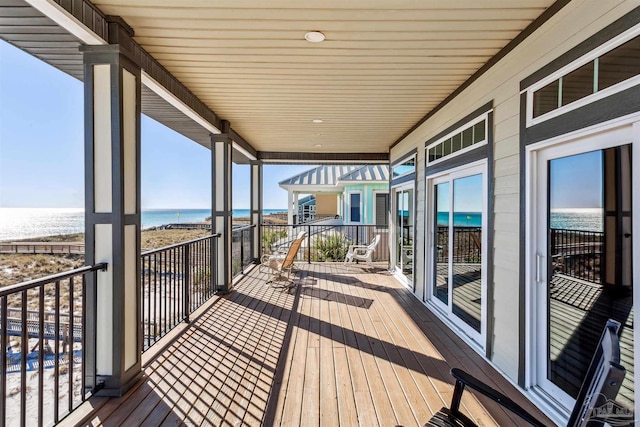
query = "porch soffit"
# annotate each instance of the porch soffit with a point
(383, 66)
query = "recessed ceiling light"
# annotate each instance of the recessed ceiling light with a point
(314, 37)
(317, 120)
(317, 145)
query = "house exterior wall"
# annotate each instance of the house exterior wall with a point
(326, 204)
(368, 199)
(574, 23)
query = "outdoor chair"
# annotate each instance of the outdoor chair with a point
(280, 252)
(597, 393)
(280, 267)
(362, 252)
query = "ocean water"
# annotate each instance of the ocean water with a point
(23, 223)
(586, 219)
(461, 219)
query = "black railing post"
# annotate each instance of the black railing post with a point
(309, 244)
(241, 251)
(187, 282)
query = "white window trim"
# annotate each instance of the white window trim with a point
(466, 332)
(415, 164)
(483, 117)
(360, 207)
(534, 392)
(585, 59)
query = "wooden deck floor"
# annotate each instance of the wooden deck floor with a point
(346, 348)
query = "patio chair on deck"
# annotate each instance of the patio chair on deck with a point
(599, 389)
(362, 252)
(280, 252)
(280, 267)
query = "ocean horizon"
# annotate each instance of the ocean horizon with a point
(25, 223)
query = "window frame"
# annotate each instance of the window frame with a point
(413, 157)
(601, 50)
(480, 118)
(360, 207)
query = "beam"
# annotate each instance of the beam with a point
(315, 158)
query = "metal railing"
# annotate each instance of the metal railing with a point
(241, 248)
(176, 280)
(466, 244)
(325, 242)
(44, 329)
(577, 253)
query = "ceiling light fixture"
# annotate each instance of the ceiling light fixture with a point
(317, 145)
(314, 37)
(317, 120)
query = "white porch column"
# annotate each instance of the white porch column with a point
(221, 205)
(256, 208)
(290, 205)
(296, 207)
(112, 216)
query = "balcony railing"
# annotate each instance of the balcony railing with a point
(466, 244)
(176, 280)
(577, 253)
(241, 248)
(325, 242)
(48, 363)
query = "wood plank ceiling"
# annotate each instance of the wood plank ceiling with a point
(383, 66)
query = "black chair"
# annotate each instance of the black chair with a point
(601, 384)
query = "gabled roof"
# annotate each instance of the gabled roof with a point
(330, 176)
(368, 173)
(322, 175)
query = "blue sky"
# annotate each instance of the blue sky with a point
(576, 181)
(42, 154)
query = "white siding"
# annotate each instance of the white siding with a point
(573, 24)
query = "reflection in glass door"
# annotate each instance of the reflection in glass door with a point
(586, 234)
(404, 232)
(441, 252)
(457, 265)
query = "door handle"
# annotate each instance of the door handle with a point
(538, 268)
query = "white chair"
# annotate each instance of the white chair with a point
(362, 252)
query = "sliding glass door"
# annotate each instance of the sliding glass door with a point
(404, 236)
(583, 260)
(456, 262)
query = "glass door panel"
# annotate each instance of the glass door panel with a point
(399, 222)
(587, 218)
(404, 232)
(456, 268)
(407, 235)
(442, 198)
(467, 250)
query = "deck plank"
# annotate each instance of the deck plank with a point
(349, 346)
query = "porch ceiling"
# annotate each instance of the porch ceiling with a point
(383, 66)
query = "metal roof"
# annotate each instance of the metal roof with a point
(368, 173)
(331, 175)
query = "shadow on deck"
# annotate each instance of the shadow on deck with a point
(347, 347)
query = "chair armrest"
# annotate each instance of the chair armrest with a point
(464, 379)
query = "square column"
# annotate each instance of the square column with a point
(290, 211)
(221, 146)
(112, 216)
(256, 208)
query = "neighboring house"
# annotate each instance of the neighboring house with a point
(356, 194)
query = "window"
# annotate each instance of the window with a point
(602, 72)
(474, 134)
(404, 168)
(382, 210)
(354, 207)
